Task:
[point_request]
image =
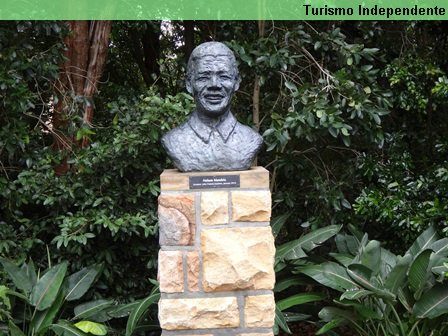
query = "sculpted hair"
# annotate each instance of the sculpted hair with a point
(211, 49)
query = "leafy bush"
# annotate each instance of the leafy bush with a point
(39, 306)
(45, 301)
(382, 293)
(401, 201)
(104, 209)
(289, 256)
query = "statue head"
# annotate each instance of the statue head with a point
(212, 78)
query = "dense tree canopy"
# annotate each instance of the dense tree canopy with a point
(353, 116)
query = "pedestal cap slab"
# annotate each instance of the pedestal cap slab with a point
(174, 180)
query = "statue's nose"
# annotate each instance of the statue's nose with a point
(214, 82)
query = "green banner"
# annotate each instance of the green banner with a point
(224, 9)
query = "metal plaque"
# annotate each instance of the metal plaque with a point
(211, 182)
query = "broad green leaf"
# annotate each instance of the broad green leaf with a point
(293, 254)
(278, 222)
(294, 249)
(440, 247)
(30, 272)
(66, 329)
(18, 276)
(330, 325)
(371, 256)
(439, 265)
(433, 303)
(14, 330)
(361, 308)
(344, 259)
(280, 321)
(363, 276)
(283, 284)
(419, 273)
(4, 297)
(331, 275)
(367, 312)
(92, 327)
(355, 294)
(357, 234)
(294, 317)
(327, 314)
(115, 119)
(424, 241)
(347, 244)
(4, 291)
(46, 289)
(122, 310)
(42, 319)
(299, 299)
(397, 276)
(388, 262)
(91, 308)
(79, 283)
(138, 312)
(406, 298)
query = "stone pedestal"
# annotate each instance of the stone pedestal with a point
(217, 253)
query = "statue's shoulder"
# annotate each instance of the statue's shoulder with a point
(175, 136)
(174, 141)
(250, 137)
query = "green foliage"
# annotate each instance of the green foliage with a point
(405, 185)
(402, 198)
(322, 100)
(30, 52)
(140, 309)
(48, 298)
(43, 298)
(420, 84)
(106, 200)
(382, 293)
(290, 255)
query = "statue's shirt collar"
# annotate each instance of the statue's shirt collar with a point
(204, 131)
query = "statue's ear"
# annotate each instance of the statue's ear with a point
(188, 86)
(237, 83)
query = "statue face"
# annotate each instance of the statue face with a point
(212, 85)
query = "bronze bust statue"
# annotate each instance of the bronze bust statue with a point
(212, 138)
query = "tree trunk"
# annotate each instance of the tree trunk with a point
(188, 38)
(256, 91)
(151, 48)
(86, 50)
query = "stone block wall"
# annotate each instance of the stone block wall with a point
(217, 255)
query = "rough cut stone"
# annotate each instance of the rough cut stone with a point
(170, 272)
(214, 207)
(238, 259)
(193, 271)
(257, 334)
(259, 311)
(179, 314)
(251, 206)
(176, 219)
